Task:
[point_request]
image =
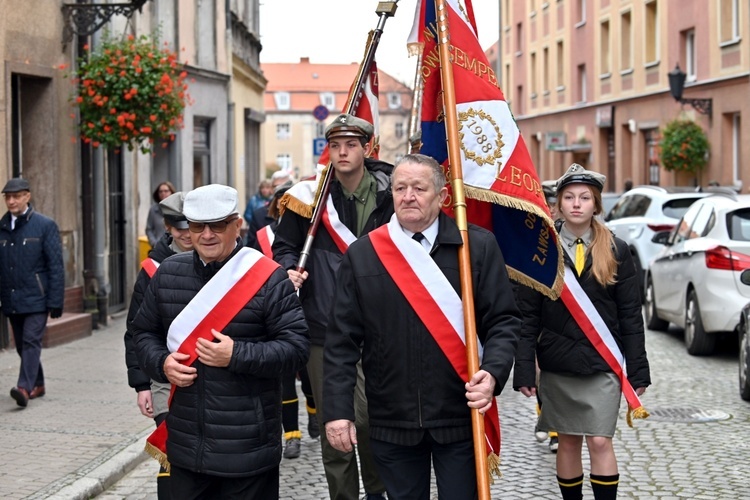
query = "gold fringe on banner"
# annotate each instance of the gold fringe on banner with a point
(493, 467)
(507, 201)
(157, 455)
(639, 413)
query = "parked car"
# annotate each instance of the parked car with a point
(642, 212)
(695, 280)
(744, 337)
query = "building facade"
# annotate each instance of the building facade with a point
(587, 81)
(291, 131)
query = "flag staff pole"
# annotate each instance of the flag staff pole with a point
(384, 10)
(464, 260)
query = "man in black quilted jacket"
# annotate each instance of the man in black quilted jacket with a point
(32, 280)
(222, 324)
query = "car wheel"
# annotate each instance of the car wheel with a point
(698, 343)
(653, 321)
(744, 362)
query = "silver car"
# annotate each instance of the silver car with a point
(694, 281)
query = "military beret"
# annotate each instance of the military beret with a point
(15, 185)
(171, 210)
(346, 125)
(210, 203)
(576, 174)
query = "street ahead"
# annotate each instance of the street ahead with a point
(696, 445)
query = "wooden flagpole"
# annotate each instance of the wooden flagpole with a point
(464, 258)
(384, 11)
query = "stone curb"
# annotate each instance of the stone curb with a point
(108, 473)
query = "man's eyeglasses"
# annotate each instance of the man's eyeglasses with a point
(216, 227)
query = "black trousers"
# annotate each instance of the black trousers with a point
(405, 470)
(188, 485)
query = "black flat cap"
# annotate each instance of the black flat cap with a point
(15, 185)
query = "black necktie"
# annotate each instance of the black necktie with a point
(418, 237)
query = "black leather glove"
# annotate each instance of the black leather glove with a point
(55, 312)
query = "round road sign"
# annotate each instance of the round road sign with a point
(320, 112)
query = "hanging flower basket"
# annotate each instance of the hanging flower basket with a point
(130, 92)
(684, 146)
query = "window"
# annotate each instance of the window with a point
(560, 65)
(205, 34)
(582, 83)
(394, 100)
(630, 206)
(736, 137)
(284, 161)
(532, 80)
(399, 132)
(626, 43)
(580, 12)
(545, 71)
(739, 225)
(519, 100)
(604, 53)
(729, 27)
(652, 32)
(690, 69)
(282, 100)
(328, 100)
(283, 131)
(519, 39)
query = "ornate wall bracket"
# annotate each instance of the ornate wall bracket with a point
(87, 18)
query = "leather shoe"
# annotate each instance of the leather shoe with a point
(37, 392)
(21, 396)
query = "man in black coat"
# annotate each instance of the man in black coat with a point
(33, 283)
(221, 323)
(392, 288)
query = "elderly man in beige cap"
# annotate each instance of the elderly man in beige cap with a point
(360, 201)
(222, 324)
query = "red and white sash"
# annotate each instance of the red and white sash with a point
(596, 331)
(265, 237)
(438, 306)
(213, 307)
(340, 234)
(150, 266)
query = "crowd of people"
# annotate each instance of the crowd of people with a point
(367, 315)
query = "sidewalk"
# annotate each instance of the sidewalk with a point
(84, 434)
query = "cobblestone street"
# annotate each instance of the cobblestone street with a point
(696, 445)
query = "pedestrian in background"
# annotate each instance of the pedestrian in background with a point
(419, 403)
(222, 324)
(152, 396)
(360, 200)
(33, 283)
(258, 200)
(261, 216)
(155, 221)
(579, 390)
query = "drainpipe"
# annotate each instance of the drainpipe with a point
(100, 234)
(231, 180)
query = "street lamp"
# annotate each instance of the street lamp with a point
(677, 85)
